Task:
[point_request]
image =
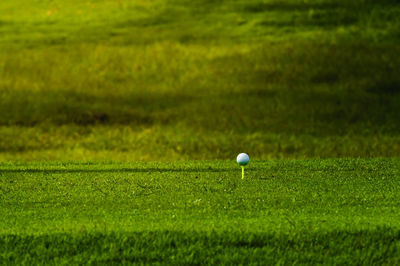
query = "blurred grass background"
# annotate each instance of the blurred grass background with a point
(178, 79)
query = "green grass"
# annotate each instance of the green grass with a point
(94, 86)
(177, 80)
(337, 211)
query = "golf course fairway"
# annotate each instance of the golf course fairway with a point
(336, 211)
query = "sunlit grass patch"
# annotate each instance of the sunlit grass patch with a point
(308, 211)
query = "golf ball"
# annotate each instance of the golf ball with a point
(243, 159)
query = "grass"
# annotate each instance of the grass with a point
(89, 87)
(177, 80)
(337, 211)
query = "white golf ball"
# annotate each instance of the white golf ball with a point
(243, 159)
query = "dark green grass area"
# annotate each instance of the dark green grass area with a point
(168, 80)
(342, 211)
(367, 247)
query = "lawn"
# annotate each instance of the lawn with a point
(184, 80)
(285, 211)
(120, 121)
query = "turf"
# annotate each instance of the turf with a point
(336, 211)
(182, 80)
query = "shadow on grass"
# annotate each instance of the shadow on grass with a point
(305, 6)
(87, 109)
(321, 19)
(282, 6)
(272, 170)
(376, 246)
(123, 170)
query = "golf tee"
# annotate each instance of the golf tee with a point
(242, 172)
